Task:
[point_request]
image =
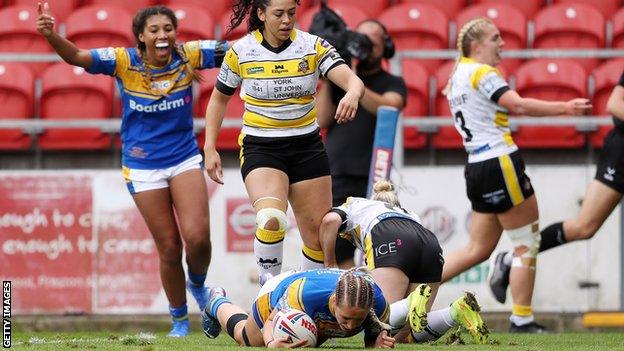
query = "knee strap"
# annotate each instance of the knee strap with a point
(529, 237)
(233, 321)
(266, 214)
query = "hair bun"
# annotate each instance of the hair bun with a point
(382, 185)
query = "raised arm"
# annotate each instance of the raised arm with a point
(69, 52)
(344, 77)
(327, 237)
(214, 118)
(518, 105)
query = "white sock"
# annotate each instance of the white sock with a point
(268, 257)
(521, 320)
(438, 323)
(311, 259)
(508, 258)
(398, 313)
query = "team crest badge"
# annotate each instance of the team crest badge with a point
(303, 66)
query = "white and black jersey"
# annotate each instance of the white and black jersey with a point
(481, 121)
(277, 84)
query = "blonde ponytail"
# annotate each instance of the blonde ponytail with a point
(468, 33)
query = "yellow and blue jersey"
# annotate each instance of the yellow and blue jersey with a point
(312, 291)
(157, 123)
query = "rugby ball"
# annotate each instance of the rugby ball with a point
(294, 325)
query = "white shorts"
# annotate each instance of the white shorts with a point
(139, 180)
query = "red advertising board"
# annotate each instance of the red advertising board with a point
(127, 271)
(42, 220)
(241, 225)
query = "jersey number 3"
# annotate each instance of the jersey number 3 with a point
(459, 118)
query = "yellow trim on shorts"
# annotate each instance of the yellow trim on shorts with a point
(368, 242)
(294, 294)
(125, 172)
(241, 158)
(511, 180)
(316, 255)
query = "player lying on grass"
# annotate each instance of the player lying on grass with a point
(400, 254)
(341, 303)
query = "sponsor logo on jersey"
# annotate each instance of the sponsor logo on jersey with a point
(255, 70)
(279, 69)
(160, 107)
(106, 54)
(303, 66)
(160, 85)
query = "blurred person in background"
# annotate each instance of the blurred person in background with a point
(601, 198)
(500, 192)
(161, 163)
(282, 156)
(350, 146)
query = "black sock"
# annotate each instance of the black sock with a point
(552, 236)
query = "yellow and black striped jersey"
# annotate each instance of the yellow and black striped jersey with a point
(277, 84)
(479, 119)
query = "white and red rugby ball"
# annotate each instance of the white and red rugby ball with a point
(295, 325)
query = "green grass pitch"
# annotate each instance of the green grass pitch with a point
(197, 341)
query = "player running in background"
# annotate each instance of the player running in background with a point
(501, 193)
(341, 303)
(282, 156)
(602, 196)
(401, 254)
(160, 158)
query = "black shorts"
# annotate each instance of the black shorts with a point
(301, 157)
(343, 187)
(407, 245)
(610, 167)
(497, 184)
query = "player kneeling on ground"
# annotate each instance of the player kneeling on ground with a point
(341, 303)
(401, 254)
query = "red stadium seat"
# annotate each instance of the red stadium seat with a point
(528, 7)
(417, 81)
(217, 9)
(100, 26)
(618, 29)
(550, 80)
(17, 92)
(510, 22)
(350, 14)
(607, 7)
(132, 6)
(570, 26)
(450, 7)
(18, 34)
(606, 76)
(60, 9)
(66, 90)
(228, 137)
(194, 23)
(372, 8)
(417, 26)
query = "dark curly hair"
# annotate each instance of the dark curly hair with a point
(242, 8)
(138, 25)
